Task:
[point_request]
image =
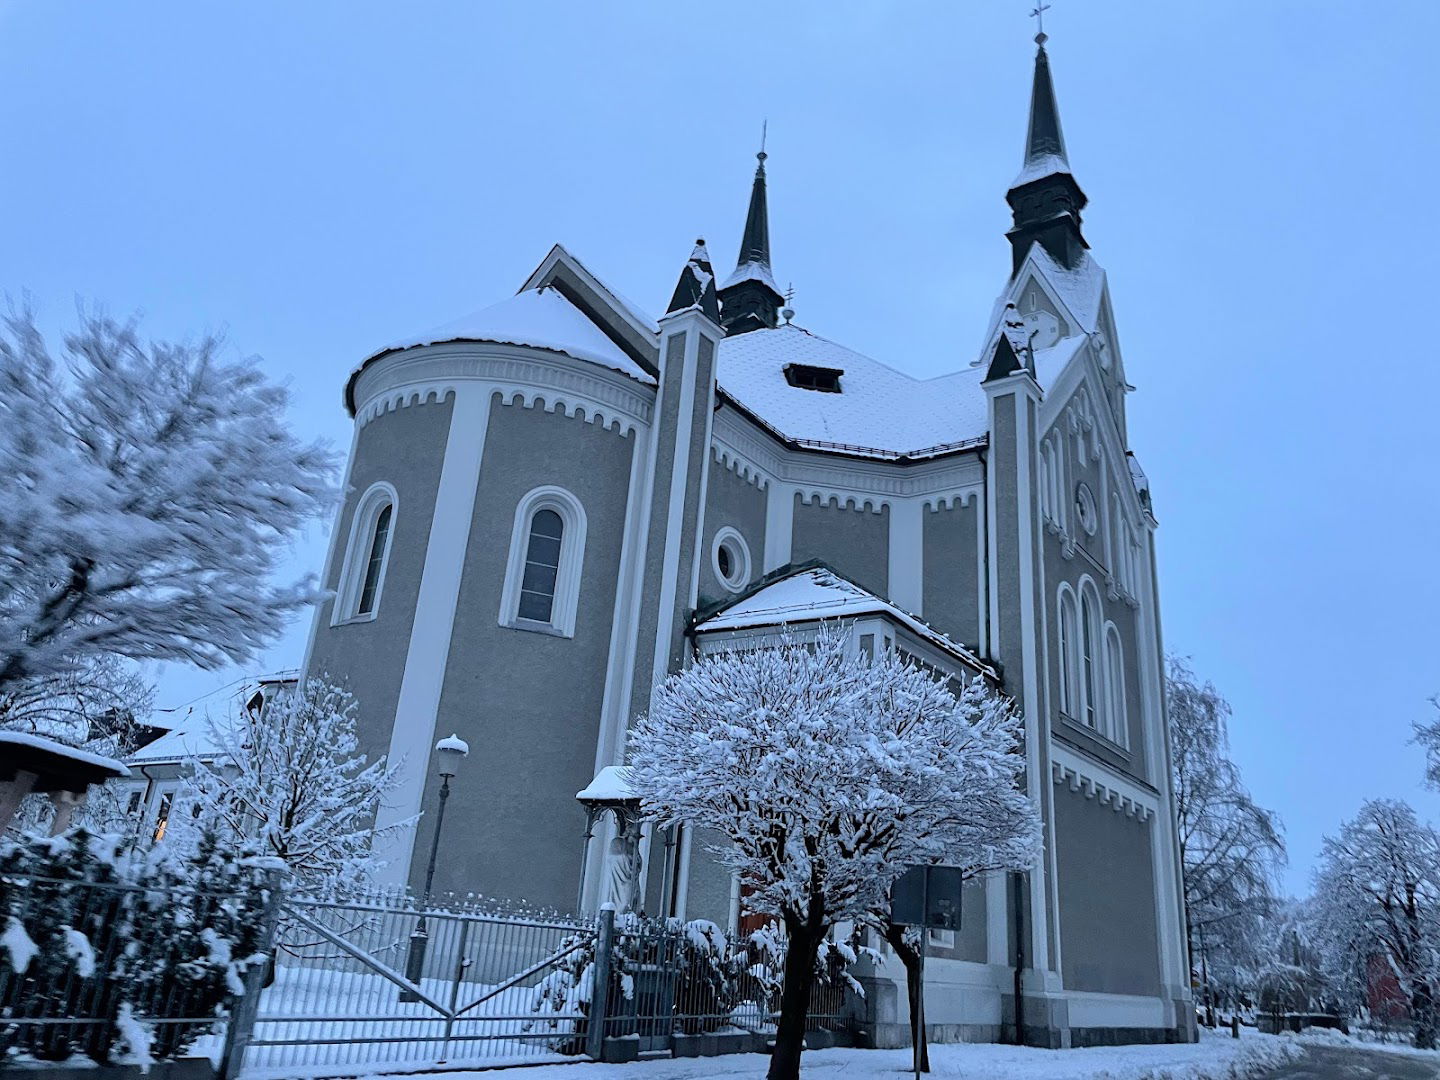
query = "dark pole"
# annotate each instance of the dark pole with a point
(420, 936)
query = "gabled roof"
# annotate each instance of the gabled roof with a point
(813, 592)
(879, 412)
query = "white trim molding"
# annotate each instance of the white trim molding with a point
(368, 509)
(572, 560)
(741, 564)
(1102, 783)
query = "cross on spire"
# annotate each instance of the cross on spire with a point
(1038, 14)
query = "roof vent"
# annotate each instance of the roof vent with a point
(810, 377)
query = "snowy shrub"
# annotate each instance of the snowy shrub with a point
(119, 941)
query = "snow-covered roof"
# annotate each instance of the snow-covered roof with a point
(541, 318)
(14, 743)
(751, 271)
(191, 734)
(611, 784)
(193, 740)
(879, 411)
(1080, 290)
(811, 594)
(1037, 167)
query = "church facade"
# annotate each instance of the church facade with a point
(555, 502)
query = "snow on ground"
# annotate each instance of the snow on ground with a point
(1324, 1037)
(1215, 1057)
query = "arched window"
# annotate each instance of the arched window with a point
(542, 565)
(1067, 653)
(547, 550)
(362, 575)
(1116, 724)
(1089, 672)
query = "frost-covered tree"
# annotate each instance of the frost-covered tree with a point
(93, 703)
(289, 777)
(1377, 896)
(828, 776)
(149, 490)
(1427, 734)
(1231, 848)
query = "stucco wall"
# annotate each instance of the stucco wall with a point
(855, 543)
(528, 702)
(405, 448)
(951, 589)
(1107, 897)
(734, 501)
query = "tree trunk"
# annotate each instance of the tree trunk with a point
(1422, 1012)
(914, 987)
(802, 946)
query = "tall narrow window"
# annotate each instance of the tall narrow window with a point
(1067, 654)
(542, 566)
(374, 562)
(361, 584)
(1115, 722)
(547, 552)
(1087, 658)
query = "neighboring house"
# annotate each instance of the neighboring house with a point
(151, 793)
(552, 504)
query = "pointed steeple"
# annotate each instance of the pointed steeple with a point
(750, 299)
(696, 287)
(1045, 199)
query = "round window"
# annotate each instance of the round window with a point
(1085, 509)
(731, 559)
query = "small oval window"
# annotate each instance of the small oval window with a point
(731, 559)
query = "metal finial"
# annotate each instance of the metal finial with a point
(1039, 16)
(764, 131)
(787, 311)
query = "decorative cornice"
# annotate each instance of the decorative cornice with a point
(1098, 782)
(866, 484)
(575, 387)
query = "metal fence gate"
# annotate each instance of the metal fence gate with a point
(339, 997)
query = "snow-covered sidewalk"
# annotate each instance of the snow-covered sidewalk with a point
(1213, 1058)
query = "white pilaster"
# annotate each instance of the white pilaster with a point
(413, 734)
(907, 554)
(779, 524)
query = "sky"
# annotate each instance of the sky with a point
(318, 179)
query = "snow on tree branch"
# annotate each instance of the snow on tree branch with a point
(149, 490)
(829, 775)
(289, 775)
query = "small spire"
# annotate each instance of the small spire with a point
(696, 287)
(1044, 142)
(751, 298)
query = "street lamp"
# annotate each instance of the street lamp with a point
(449, 752)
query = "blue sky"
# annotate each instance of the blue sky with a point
(320, 178)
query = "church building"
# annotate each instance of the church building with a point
(553, 503)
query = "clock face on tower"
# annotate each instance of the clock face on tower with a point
(1085, 509)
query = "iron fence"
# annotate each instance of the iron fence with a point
(105, 969)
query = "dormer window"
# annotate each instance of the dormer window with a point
(810, 377)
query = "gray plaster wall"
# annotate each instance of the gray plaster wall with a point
(951, 594)
(854, 542)
(528, 702)
(708, 893)
(406, 448)
(734, 501)
(1106, 890)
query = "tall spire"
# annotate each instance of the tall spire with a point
(1045, 199)
(749, 297)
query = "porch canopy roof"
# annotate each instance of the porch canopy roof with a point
(813, 592)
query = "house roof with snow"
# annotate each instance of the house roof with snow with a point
(815, 593)
(191, 733)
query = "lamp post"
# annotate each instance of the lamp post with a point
(448, 754)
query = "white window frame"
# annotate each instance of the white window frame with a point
(740, 558)
(1116, 719)
(1068, 604)
(1092, 689)
(567, 576)
(357, 554)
